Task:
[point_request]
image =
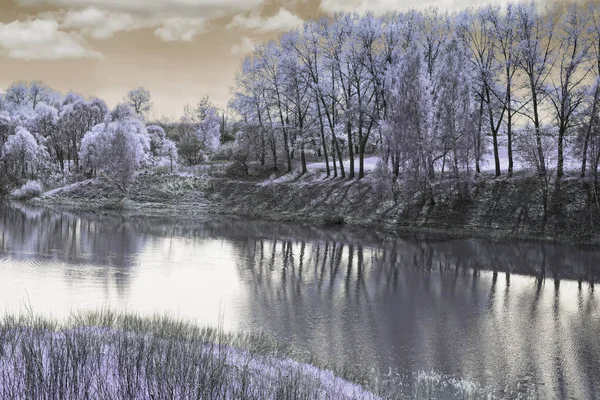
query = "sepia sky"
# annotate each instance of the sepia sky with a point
(179, 49)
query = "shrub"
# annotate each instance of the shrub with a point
(384, 183)
(28, 190)
(225, 153)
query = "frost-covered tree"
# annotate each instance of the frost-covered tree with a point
(21, 96)
(199, 132)
(157, 138)
(23, 152)
(39, 93)
(115, 149)
(271, 67)
(504, 31)
(566, 89)
(161, 147)
(209, 130)
(44, 123)
(454, 108)
(407, 131)
(298, 96)
(5, 127)
(169, 151)
(16, 96)
(122, 111)
(475, 30)
(189, 145)
(536, 52)
(140, 101)
(589, 130)
(250, 104)
(77, 117)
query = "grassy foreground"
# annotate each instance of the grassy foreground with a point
(109, 355)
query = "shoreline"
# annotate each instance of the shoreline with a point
(496, 209)
(139, 210)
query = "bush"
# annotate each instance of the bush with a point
(225, 153)
(385, 185)
(28, 190)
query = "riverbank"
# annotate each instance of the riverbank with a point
(111, 355)
(486, 207)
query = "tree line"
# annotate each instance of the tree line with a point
(428, 90)
(55, 138)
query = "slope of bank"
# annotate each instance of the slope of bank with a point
(504, 207)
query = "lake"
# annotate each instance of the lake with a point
(513, 315)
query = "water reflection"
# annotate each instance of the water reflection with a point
(502, 313)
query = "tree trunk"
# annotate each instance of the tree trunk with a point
(333, 155)
(478, 138)
(350, 149)
(538, 132)
(588, 132)
(560, 161)
(287, 150)
(262, 151)
(585, 150)
(494, 130)
(496, 155)
(323, 143)
(303, 159)
(322, 127)
(509, 132)
(395, 164)
(361, 166)
(341, 160)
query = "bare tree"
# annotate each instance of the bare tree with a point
(567, 90)
(505, 42)
(591, 113)
(474, 30)
(536, 56)
(140, 101)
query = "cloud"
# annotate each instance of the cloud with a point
(40, 39)
(245, 47)
(99, 24)
(172, 20)
(196, 7)
(284, 20)
(178, 28)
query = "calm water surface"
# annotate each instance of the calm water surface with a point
(504, 314)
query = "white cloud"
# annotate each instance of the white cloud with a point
(172, 20)
(245, 47)
(178, 28)
(41, 40)
(100, 24)
(284, 20)
(197, 7)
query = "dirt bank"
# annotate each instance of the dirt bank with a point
(505, 207)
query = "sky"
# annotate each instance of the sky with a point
(180, 50)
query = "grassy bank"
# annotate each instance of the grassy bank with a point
(108, 355)
(486, 207)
